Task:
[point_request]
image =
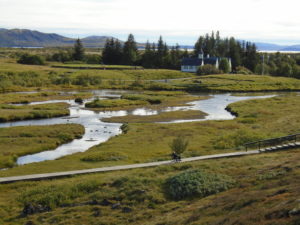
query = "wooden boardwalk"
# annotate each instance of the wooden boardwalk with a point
(141, 165)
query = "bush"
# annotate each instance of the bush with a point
(92, 59)
(179, 145)
(197, 183)
(207, 70)
(224, 65)
(31, 59)
(61, 56)
(243, 70)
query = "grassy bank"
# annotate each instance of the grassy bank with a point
(146, 142)
(162, 117)
(239, 83)
(19, 141)
(16, 77)
(26, 112)
(149, 99)
(268, 182)
(24, 98)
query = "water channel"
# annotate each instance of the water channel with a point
(97, 131)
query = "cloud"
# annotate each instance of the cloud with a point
(189, 18)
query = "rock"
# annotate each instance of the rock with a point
(295, 211)
(30, 208)
(116, 206)
(105, 202)
(126, 210)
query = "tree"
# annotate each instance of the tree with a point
(130, 52)
(224, 65)
(179, 145)
(78, 53)
(112, 52)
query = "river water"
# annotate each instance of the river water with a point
(97, 131)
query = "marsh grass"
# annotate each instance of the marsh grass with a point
(149, 142)
(239, 83)
(230, 191)
(19, 141)
(26, 112)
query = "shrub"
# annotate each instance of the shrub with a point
(125, 128)
(207, 70)
(31, 59)
(92, 59)
(224, 65)
(197, 183)
(243, 70)
(179, 145)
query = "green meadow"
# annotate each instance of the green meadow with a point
(147, 142)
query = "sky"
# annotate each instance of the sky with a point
(178, 21)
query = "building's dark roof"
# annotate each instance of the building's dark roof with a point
(198, 62)
(211, 60)
(191, 62)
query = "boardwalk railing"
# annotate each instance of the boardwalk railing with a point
(262, 144)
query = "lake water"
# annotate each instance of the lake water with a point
(97, 132)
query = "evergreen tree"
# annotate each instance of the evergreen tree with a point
(112, 52)
(130, 52)
(78, 53)
(148, 56)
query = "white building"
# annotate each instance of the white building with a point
(191, 65)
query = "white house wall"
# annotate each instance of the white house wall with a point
(189, 69)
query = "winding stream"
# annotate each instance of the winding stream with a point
(97, 132)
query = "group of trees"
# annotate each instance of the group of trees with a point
(244, 56)
(154, 56)
(279, 64)
(241, 53)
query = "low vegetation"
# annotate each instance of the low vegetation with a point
(239, 83)
(19, 141)
(228, 191)
(24, 98)
(151, 99)
(26, 112)
(196, 183)
(113, 103)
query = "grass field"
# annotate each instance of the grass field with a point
(146, 142)
(148, 99)
(238, 83)
(24, 98)
(19, 141)
(27, 77)
(266, 191)
(26, 112)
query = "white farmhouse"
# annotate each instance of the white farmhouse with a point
(191, 65)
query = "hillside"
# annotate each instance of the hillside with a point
(29, 38)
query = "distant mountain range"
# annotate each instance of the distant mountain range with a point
(30, 38)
